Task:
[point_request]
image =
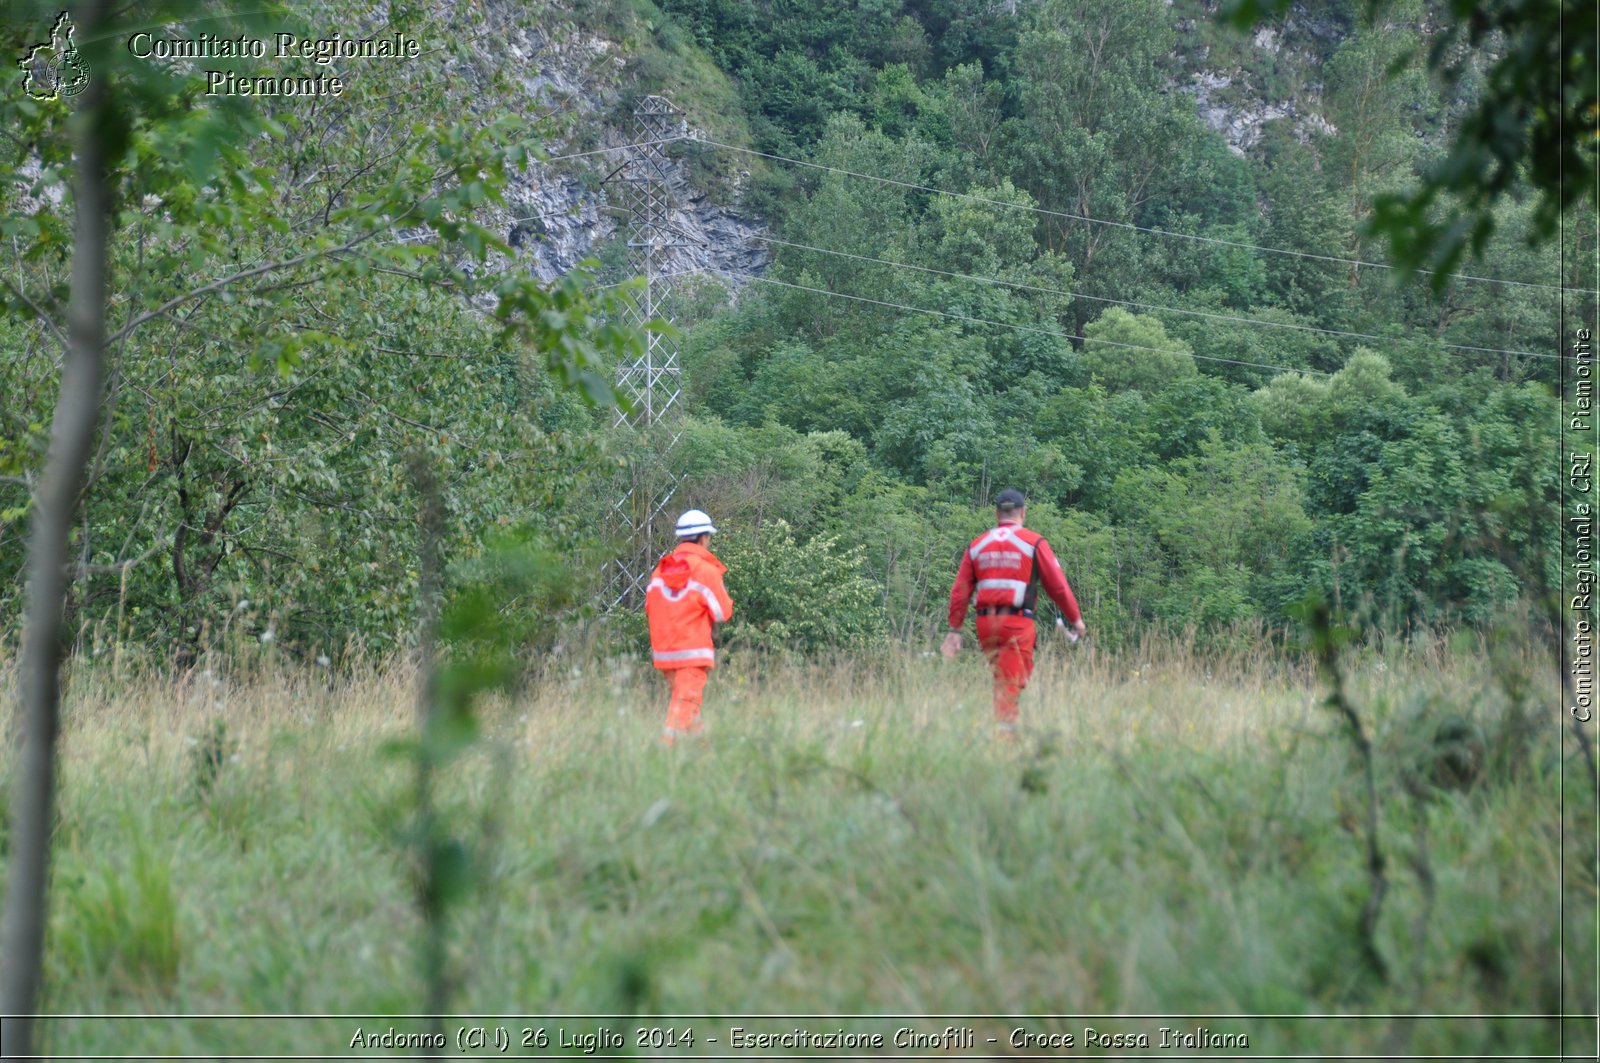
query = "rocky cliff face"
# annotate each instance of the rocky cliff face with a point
(1232, 99)
(1242, 124)
(564, 211)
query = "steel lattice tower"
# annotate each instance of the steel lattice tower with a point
(649, 383)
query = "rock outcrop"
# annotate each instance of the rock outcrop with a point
(1232, 102)
(570, 208)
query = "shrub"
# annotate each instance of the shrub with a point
(799, 597)
(208, 757)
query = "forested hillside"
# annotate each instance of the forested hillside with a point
(1114, 255)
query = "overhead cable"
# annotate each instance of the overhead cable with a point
(990, 201)
(616, 147)
(1130, 302)
(1005, 324)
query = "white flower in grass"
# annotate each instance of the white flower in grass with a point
(777, 962)
(653, 814)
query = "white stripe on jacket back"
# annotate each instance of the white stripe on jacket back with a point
(666, 592)
(1017, 587)
(1005, 533)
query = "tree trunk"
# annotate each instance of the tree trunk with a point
(38, 708)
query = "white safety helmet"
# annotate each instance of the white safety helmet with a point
(694, 522)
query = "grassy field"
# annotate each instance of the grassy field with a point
(1170, 839)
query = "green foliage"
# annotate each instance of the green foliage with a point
(1208, 489)
(1228, 520)
(1529, 124)
(748, 476)
(797, 597)
(248, 483)
(471, 647)
(798, 65)
(302, 308)
(1132, 352)
(507, 606)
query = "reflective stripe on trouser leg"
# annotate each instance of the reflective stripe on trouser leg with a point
(683, 711)
(1008, 643)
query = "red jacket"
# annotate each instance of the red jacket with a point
(684, 599)
(1006, 566)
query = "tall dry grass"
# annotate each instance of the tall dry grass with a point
(1175, 833)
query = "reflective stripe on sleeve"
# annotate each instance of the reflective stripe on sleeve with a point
(710, 597)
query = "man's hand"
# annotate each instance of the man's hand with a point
(1080, 629)
(951, 646)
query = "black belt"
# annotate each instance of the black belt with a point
(1006, 610)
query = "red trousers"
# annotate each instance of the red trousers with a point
(1008, 643)
(683, 711)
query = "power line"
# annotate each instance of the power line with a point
(1130, 302)
(617, 147)
(1006, 324)
(1070, 294)
(989, 201)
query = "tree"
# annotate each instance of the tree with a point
(1533, 120)
(933, 427)
(188, 201)
(1228, 520)
(853, 217)
(1088, 79)
(798, 597)
(972, 107)
(1338, 426)
(1301, 213)
(71, 434)
(1100, 434)
(1132, 352)
(1374, 95)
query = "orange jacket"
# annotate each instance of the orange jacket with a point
(684, 599)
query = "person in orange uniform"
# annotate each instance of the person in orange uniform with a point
(683, 602)
(1006, 566)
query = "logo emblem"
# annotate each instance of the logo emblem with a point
(55, 68)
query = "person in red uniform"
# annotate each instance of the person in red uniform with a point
(1006, 566)
(683, 602)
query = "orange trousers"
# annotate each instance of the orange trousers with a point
(1008, 642)
(683, 711)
